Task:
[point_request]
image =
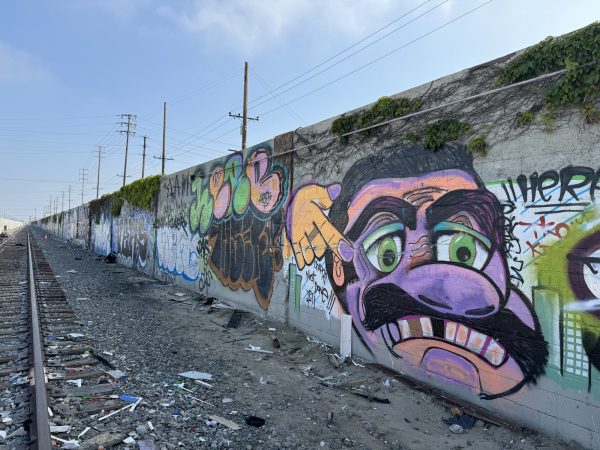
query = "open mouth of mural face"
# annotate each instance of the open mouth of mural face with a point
(424, 327)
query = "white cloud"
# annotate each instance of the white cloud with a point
(254, 24)
(18, 66)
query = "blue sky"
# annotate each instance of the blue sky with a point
(68, 68)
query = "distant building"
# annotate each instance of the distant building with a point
(9, 225)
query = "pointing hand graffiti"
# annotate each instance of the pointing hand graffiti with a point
(309, 228)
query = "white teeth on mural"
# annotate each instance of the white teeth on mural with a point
(450, 331)
(461, 335)
(476, 341)
(404, 329)
(454, 333)
(426, 326)
(494, 353)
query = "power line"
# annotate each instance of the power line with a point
(417, 113)
(275, 96)
(380, 58)
(202, 132)
(353, 53)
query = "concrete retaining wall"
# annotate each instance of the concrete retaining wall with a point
(476, 275)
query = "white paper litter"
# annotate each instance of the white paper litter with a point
(195, 375)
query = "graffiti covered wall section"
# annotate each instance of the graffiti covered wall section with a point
(133, 238)
(488, 289)
(219, 226)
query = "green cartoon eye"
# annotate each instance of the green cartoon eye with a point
(461, 248)
(384, 247)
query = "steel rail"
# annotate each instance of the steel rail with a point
(43, 439)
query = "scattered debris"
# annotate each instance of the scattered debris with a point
(83, 432)
(147, 445)
(236, 340)
(465, 421)
(330, 419)
(107, 439)
(60, 428)
(370, 428)
(254, 348)
(179, 294)
(228, 423)
(195, 375)
(113, 413)
(203, 383)
(128, 398)
(129, 440)
(234, 320)
(111, 258)
(75, 336)
(372, 398)
(255, 421)
(456, 428)
(71, 271)
(221, 306)
(117, 374)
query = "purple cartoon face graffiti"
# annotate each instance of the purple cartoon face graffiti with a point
(414, 249)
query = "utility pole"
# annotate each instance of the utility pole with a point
(62, 204)
(82, 176)
(128, 132)
(144, 156)
(164, 142)
(35, 214)
(99, 150)
(244, 115)
(69, 190)
(164, 146)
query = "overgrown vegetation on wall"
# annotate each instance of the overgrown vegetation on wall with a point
(384, 109)
(97, 206)
(578, 53)
(139, 193)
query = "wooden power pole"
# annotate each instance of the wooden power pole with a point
(244, 115)
(164, 146)
(144, 155)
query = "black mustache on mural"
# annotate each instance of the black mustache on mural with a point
(386, 303)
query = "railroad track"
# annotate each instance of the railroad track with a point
(41, 339)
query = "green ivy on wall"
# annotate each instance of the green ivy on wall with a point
(139, 193)
(579, 54)
(384, 109)
(435, 134)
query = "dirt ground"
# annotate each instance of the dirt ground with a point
(307, 402)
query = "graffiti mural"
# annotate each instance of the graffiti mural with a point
(415, 251)
(177, 252)
(237, 209)
(132, 238)
(556, 231)
(102, 236)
